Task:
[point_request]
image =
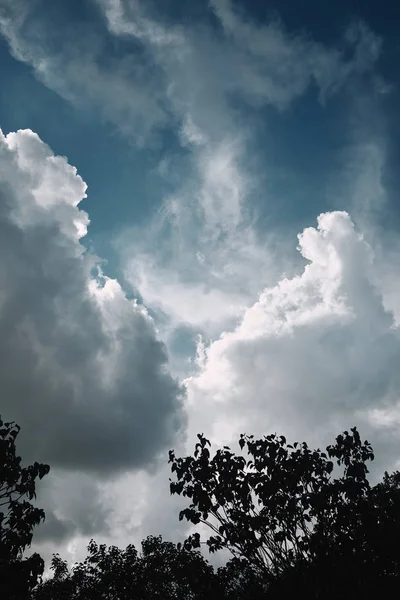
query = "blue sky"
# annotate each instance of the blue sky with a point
(306, 137)
(239, 271)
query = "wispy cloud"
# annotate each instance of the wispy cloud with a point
(76, 64)
(211, 262)
(189, 72)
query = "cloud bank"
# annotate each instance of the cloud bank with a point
(81, 367)
(315, 353)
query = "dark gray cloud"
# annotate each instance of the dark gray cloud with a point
(74, 505)
(81, 368)
(55, 529)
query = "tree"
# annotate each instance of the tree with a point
(18, 518)
(162, 570)
(288, 520)
(241, 580)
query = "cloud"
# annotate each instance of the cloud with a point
(209, 83)
(78, 65)
(74, 506)
(129, 19)
(205, 229)
(276, 67)
(81, 368)
(215, 79)
(315, 353)
(210, 262)
(172, 72)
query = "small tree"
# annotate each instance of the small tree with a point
(282, 512)
(18, 517)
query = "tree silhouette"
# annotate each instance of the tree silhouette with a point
(298, 522)
(18, 517)
(295, 518)
(162, 570)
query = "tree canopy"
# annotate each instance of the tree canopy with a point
(297, 517)
(296, 520)
(162, 570)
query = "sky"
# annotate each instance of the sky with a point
(199, 233)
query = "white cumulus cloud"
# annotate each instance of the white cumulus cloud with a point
(315, 353)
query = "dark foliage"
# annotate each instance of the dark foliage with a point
(18, 518)
(296, 520)
(162, 571)
(298, 523)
